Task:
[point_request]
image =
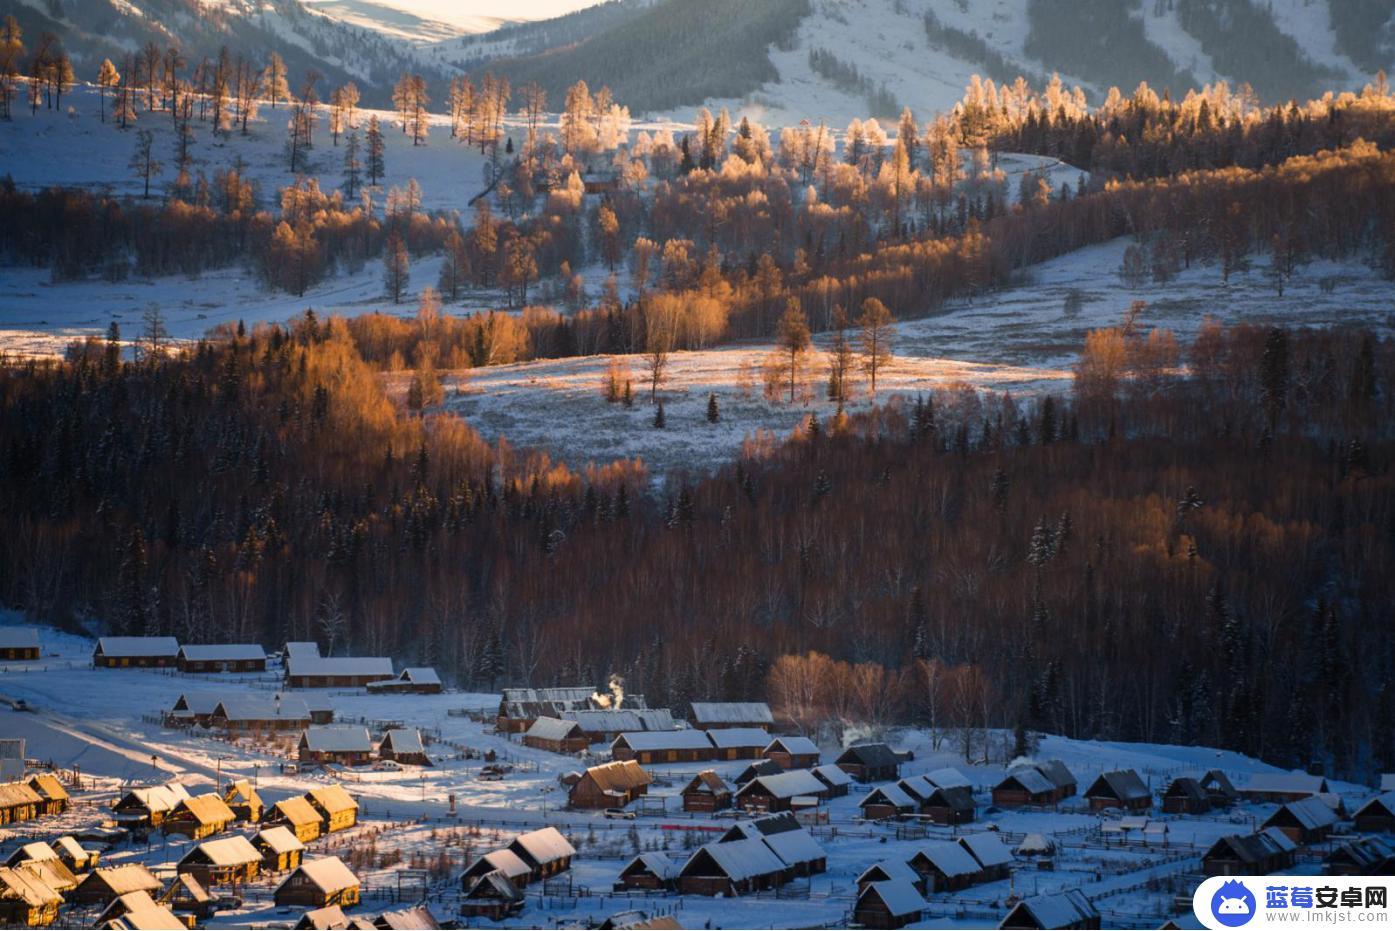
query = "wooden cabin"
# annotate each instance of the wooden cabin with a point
(610, 785)
(225, 860)
(75, 857)
(651, 871)
(889, 801)
(545, 851)
(1306, 821)
(519, 708)
(138, 911)
(556, 736)
(187, 895)
(254, 715)
(317, 883)
(1185, 796)
(340, 744)
(1219, 789)
(836, 781)
(714, 715)
(493, 896)
(281, 850)
(945, 866)
(1282, 787)
(991, 854)
(502, 860)
(122, 652)
(53, 798)
(887, 871)
(758, 768)
(26, 901)
(792, 752)
(1062, 910)
(102, 885)
(707, 792)
(298, 816)
(414, 680)
(1362, 856)
(1025, 785)
(404, 745)
(1122, 789)
(797, 848)
(330, 918)
(893, 903)
(148, 807)
(330, 672)
(417, 918)
(47, 862)
(18, 802)
(663, 747)
(781, 792)
(192, 708)
(949, 805)
(1257, 854)
(19, 643)
(738, 743)
(221, 657)
(732, 868)
(870, 762)
(1377, 815)
(336, 807)
(243, 800)
(199, 817)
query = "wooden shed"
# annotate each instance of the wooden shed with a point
(1025, 785)
(992, 855)
(1377, 815)
(1185, 796)
(888, 870)
(341, 744)
(102, 885)
(1306, 821)
(737, 743)
(225, 860)
(502, 860)
(1062, 910)
(187, 894)
(945, 866)
(404, 745)
(336, 807)
(780, 792)
(75, 857)
(1120, 788)
(26, 901)
(556, 736)
(609, 785)
(893, 903)
(875, 762)
(121, 652)
(493, 896)
(889, 801)
(149, 806)
(792, 752)
(297, 815)
(18, 802)
(706, 792)
(329, 672)
(546, 852)
(1282, 787)
(221, 657)
(1257, 854)
(416, 680)
(19, 643)
(281, 850)
(317, 883)
(949, 805)
(53, 797)
(836, 780)
(663, 747)
(732, 868)
(199, 817)
(711, 715)
(244, 801)
(649, 871)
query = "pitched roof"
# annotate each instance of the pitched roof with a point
(987, 848)
(1056, 771)
(404, 740)
(19, 638)
(138, 646)
(789, 784)
(949, 858)
(890, 794)
(795, 746)
(656, 862)
(130, 877)
(917, 787)
(332, 798)
(337, 738)
(1058, 910)
(724, 737)
(794, 847)
(775, 823)
(1215, 780)
(1036, 845)
(546, 728)
(191, 885)
(27, 887)
(207, 809)
(958, 798)
(52, 873)
(222, 652)
(620, 720)
(297, 810)
(138, 911)
(1122, 784)
(878, 754)
(1285, 783)
(242, 791)
(196, 703)
(47, 785)
(18, 793)
(302, 649)
(739, 859)
(35, 850)
(225, 851)
(495, 885)
(505, 861)
(831, 776)
(420, 675)
(67, 844)
(948, 777)
(545, 845)
(257, 708)
(898, 895)
(1311, 813)
(329, 918)
(1185, 787)
(708, 781)
(408, 919)
(664, 740)
(1383, 803)
(732, 712)
(359, 666)
(160, 798)
(278, 839)
(618, 777)
(1031, 779)
(891, 869)
(329, 874)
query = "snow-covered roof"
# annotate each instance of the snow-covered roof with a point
(1311, 813)
(612, 721)
(891, 869)
(732, 712)
(207, 808)
(949, 858)
(226, 851)
(302, 649)
(795, 746)
(1036, 845)
(1030, 778)
(279, 839)
(130, 877)
(1059, 910)
(664, 740)
(1122, 784)
(27, 887)
(420, 675)
(876, 754)
(740, 859)
(1279, 839)
(297, 810)
(505, 861)
(19, 638)
(1294, 783)
(831, 775)
(196, 702)
(337, 738)
(1057, 772)
(898, 895)
(656, 862)
(404, 740)
(138, 912)
(329, 874)
(35, 850)
(380, 666)
(708, 781)
(331, 798)
(618, 777)
(987, 848)
(892, 795)
(418, 918)
(222, 652)
(788, 785)
(917, 787)
(545, 845)
(1387, 782)
(948, 777)
(138, 646)
(794, 847)
(161, 798)
(724, 737)
(1385, 800)
(552, 729)
(67, 844)
(258, 708)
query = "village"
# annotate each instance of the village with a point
(219, 785)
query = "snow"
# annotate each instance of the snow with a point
(899, 896)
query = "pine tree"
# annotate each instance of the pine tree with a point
(659, 421)
(376, 166)
(713, 415)
(133, 615)
(351, 165)
(395, 266)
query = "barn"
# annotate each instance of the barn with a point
(199, 817)
(706, 792)
(889, 801)
(556, 736)
(1185, 796)
(893, 903)
(414, 680)
(731, 868)
(225, 860)
(298, 816)
(945, 866)
(1377, 816)
(281, 850)
(1282, 787)
(649, 871)
(221, 657)
(781, 792)
(738, 743)
(53, 798)
(102, 885)
(546, 852)
(1062, 910)
(610, 785)
(342, 744)
(1256, 854)
(870, 762)
(714, 715)
(1306, 821)
(1120, 788)
(121, 652)
(336, 807)
(792, 752)
(317, 883)
(404, 745)
(19, 643)
(327, 672)
(663, 747)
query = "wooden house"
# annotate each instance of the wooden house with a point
(221, 657)
(1362, 856)
(1185, 796)
(18, 802)
(493, 896)
(792, 752)
(714, 715)
(252, 714)
(663, 747)
(281, 850)
(649, 871)
(341, 744)
(102, 885)
(1219, 789)
(603, 725)
(138, 911)
(801, 854)
(404, 745)
(945, 866)
(887, 871)
(243, 800)
(189, 896)
(504, 861)
(1120, 788)
(992, 855)
(46, 862)
(75, 857)
(732, 868)
(781, 792)
(758, 768)
(738, 743)
(1377, 815)
(706, 792)
(1059, 776)
(870, 762)
(121, 652)
(53, 797)
(225, 860)
(893, 903)
(192, 708)
(545, 851)
(331, 918)
(19, 643)
(636, 920)
(1062, 910)
(1282, 787)
(1257, 854)
(1025, 785)
(889, 801)
(836, 781)
(417, 918)
(556, 736)
(949, 805)
(336, 807)
(149, 806)
(329, 672)
(609, 785)
(26, 901)
(414, 680)
(317, 883)
(519, 708)
(199, 817)
(1306, 821)
(298, 816)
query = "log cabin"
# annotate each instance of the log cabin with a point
(713, 715)
(493, 896)
(149, 806)
(609, 785)
(404, 745)
(502, 860)
(1185, 796)
(298, 816)
(221, 657)
(781, 792)
(317, 883)
(792, 752)
(19, 643)
(1282, 787)
(732, 868)
(328, 672)
(1306, 821)
(945, 866)
(1257, 854)
(1120, 788)
(663, 747)
(874, 762)
(26, 901)
(18, 802)
(1062, 910)
(281, 850)
(1377, 815)
(244, 801)
(707, 792)
(102, 885)
(652, 871)
(556, 736)
(53, 797)
(737, 743)
(545, 851)
(414, 680)
(336, 807)
(225, 860)
(199, 817)
(123, 652)
(893, 903)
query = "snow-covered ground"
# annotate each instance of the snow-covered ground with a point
(116, 742)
